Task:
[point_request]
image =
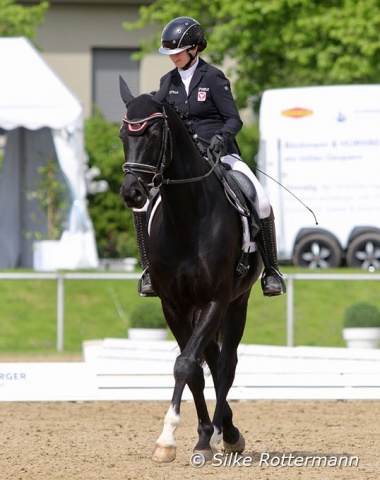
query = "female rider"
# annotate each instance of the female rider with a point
(202, 94)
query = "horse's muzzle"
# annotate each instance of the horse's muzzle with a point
(133, 197)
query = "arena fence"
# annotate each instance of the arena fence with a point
(61, 277)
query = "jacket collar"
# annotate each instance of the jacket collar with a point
(197, 77)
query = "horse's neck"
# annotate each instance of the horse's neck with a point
(190, 202)
(187, 204)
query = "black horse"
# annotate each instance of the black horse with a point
(194, 248)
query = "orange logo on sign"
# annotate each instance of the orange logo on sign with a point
(297, 112)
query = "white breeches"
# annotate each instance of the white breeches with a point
(262, 203)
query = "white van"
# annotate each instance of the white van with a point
(323, 145)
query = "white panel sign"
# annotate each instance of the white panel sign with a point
(47, 382)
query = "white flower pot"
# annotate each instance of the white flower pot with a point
(46, 255)
(147, 334)
(362, 337)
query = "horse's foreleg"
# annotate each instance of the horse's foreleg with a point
(165, 450)
(186, 371)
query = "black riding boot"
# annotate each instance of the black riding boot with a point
(141, 230)
(271, 281)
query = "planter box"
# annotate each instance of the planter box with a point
(147, 334)
(125, 264)
(362, 337)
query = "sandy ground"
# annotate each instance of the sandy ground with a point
(114, 441)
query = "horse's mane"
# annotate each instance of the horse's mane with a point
(179, 118)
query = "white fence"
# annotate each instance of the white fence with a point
(117, 369)
(60, 278)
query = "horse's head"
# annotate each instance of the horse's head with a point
(146, 141)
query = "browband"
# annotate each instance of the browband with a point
(136, 126)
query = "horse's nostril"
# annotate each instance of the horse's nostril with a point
(133, 197)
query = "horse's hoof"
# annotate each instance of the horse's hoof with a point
(206, 454)
(215, 440)
(237, 447)
(162, 454)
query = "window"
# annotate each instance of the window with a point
(108, 64)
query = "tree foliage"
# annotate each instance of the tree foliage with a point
(20, 21)
(281, 43)
(112, 221)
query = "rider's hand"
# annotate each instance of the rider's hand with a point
(217, 144)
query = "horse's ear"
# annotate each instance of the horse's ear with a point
(160, 96)
(125, 93)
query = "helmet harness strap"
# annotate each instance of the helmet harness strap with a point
(192, 57)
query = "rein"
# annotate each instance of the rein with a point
(137, 127)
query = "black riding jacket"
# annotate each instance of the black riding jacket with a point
(210, 107)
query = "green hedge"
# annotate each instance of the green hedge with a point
(112, 220)
(362, 314)
(147, 314)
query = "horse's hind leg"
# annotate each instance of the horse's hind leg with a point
(233, 328)
(233, 440)
(205, 426)
(224, 429)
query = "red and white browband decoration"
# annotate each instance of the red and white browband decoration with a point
(135, 126)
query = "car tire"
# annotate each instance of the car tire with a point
(364, 251)
(317, 250)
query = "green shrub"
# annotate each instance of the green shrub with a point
(362, 314)
(147, 314)
(112, 220)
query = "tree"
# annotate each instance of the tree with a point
(17, 20)
(113, 222)
(281, 43)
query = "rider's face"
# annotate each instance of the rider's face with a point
(181, 59)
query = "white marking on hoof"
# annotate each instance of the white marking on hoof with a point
(215, 440)
(237, 447)
(164, 454)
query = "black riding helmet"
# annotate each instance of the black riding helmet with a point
(182, 33)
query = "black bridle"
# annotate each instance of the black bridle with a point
(137, 127)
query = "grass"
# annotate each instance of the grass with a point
(101, 308)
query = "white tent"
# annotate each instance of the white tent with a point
(42, 119)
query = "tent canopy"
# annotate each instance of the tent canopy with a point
(42, 120)
(31, 94)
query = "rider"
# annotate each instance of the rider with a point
(202, 94)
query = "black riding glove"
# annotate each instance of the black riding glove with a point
(217, 145)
